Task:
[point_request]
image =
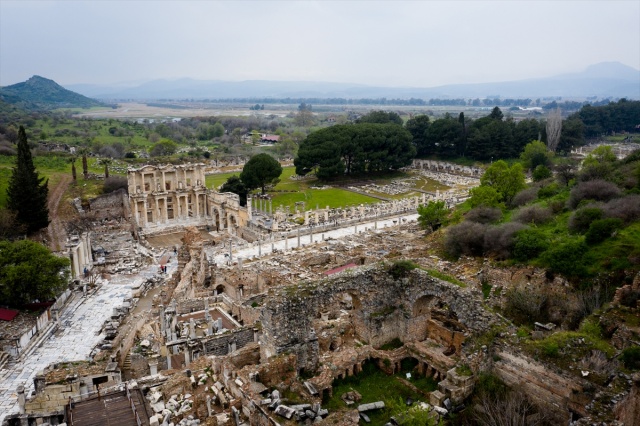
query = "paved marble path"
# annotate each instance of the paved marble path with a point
(81, 321)
(220, 257)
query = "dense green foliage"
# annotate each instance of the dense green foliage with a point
(582, 231)
(27, 192)
(614, 117)
(235, 185)
(261, 170)
(432, 215)
(29, 271)
(354, 149)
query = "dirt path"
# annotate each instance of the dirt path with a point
(56, 231)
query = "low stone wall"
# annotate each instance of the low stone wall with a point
(220, 344)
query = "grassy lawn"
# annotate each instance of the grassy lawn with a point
(216, 181)
(332, 197)
(374, 385)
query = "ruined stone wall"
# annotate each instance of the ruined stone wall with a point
(220, 344)
(546, 387)
(246, 314)
(139, 365)
(53, 398)
(380, 308)
(114, 205)
(195, 269)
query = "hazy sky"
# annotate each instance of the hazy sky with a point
(388, 43)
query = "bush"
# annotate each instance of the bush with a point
(582, 218)
(500, 240)
(130, 155)
(113, 183)
(524, 197)
(533, 214)
(602, 229)
(526, 305)
(7, 148)
(529, 243)
(626, 209)
(567, 259)
(549, 190)
(465, 238)
(541, 172)
(631, 357)
(401, 268)
(598, 190)
(484, 214)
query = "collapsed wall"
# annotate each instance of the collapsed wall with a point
(380, 309)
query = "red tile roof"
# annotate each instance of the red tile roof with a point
(340, 269)
(8, 314)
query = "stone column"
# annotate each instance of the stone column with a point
(22, 399)
(197, 196)
(249, 208)
(153, 365)
(144, 213)
(164, 182)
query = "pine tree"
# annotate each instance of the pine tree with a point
(27, 192)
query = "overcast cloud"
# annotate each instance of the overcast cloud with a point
(418, 43)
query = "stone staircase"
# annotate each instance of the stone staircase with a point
(455, 387)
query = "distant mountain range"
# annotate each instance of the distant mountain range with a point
(40, 93)
(606, 79)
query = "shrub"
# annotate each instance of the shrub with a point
(500, 240)
(533, 214)
(524, 197)
(541, 172)
(550, 348)
(465, 238)
(582, 218)
(401, 268)
(567, 259)
(484, 196)
(113, 183)
(626, 209)
(6, 148)
(556, 206)
(484, 214)
(130, 155)
(602, 229)
(549, 190)
(526, 305)
(598, 190)
(631, 357)
(529, 243)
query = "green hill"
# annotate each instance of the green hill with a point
(41, 93)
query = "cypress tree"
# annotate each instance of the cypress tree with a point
(27, 192)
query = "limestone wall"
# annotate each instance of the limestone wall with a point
(379, 307)
(114, 205)
(220, 344)
(544, 386)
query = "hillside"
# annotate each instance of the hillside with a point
(41, 93)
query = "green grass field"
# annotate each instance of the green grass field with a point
(374, 385)
(332, 197)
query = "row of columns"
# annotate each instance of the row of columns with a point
(80, 255)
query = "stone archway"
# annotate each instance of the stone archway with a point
(423, 305)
